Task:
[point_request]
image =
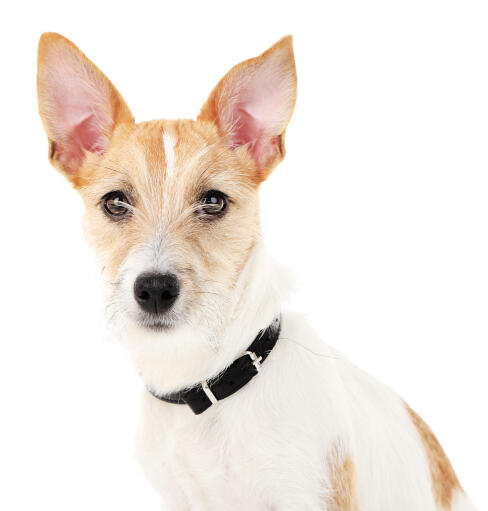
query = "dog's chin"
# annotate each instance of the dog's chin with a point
(160, 323)
(157, 326)
(143, 322)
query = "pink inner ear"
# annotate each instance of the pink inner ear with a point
(79, 110)
(259, 110)
(85, 136)
(249, 130)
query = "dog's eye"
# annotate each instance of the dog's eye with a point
(115, 204)
(212, 202)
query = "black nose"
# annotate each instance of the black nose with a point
(155, 292)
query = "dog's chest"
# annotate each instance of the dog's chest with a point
(254, 449)
(208, 459)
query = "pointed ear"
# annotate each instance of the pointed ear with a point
(79, 106)
(252, 105)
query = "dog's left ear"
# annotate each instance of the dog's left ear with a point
(253, 103)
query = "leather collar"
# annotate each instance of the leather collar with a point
(203, 395)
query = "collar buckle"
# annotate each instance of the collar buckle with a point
(203, 395)
(256, 361)
(209, 392)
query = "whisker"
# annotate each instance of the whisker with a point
(211, 163)
(214, 282)
(117, 164)
(110, 168)
(309, 350)
(208, 293)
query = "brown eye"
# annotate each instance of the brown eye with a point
(115, 204)
(213, 202)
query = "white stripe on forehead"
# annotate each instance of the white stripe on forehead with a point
(169, 153)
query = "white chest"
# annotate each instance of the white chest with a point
(237, 454)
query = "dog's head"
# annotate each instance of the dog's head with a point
(171, 206)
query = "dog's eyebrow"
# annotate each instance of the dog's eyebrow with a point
(209, 166)
(119, 170)
(123, 186)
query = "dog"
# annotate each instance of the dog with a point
(245, 407)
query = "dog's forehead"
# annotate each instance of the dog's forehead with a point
(166, 164)
(172, 150)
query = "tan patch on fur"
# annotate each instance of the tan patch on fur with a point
(444, 479)
(343, 496)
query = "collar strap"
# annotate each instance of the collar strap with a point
(203, 395)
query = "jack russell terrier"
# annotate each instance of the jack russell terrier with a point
(246, 408)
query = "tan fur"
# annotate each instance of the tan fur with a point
(444, 480)
(341, 495)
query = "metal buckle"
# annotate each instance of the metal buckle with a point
(208, 392)
(256, 361)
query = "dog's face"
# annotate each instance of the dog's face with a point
(186, 223)
(171, 206)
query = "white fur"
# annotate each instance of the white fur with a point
(169, 153)
(461, 502)
(266, 447)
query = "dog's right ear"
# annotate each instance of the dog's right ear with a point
(79, 106)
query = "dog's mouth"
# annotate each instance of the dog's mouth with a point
(158, 323)
(158, 326)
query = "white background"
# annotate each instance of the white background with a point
(380, 207)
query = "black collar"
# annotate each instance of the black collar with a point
(203, 395)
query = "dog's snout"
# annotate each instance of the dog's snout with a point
(155, 292)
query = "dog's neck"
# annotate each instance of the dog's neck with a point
(180, 358)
